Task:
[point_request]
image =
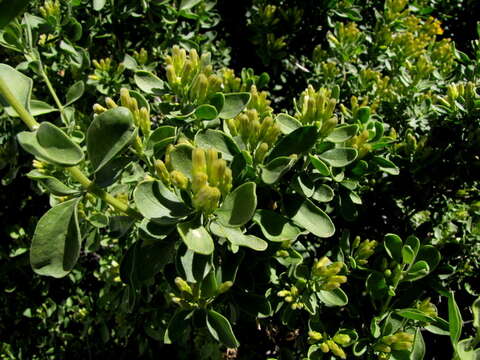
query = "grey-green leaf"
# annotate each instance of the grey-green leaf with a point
(342, 133)
(275, 227)
(221, 330)
(275, 169)
(339, 157)
(75, 92)
(297, 142)
(10, 9)
(310, 217)
(19, 84)
(196, 237)
(156, 202)
(237, 237)
(215, 139)
(287, 123)
(108, 134)
(239, 206)
(393, 245)
(336, 297)
(234, 104)
(56, 242)
(148, 82)
(51, 144)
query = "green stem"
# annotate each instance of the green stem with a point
(17, 106)
(75, 172)
(79, 176)
(51, 89)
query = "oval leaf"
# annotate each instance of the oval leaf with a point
(108, 134)
(275, 169)
(51, 144)
(238, 238)
(310, 217)
(56, 242)
(156, 202)
(275, 227)
(339, 157)
(297, 142)
(215, 139)
(196, 237)
(287, 123)
(234, 104)
(342, 133)
(221, 330)
(148, 82)
(239, 206)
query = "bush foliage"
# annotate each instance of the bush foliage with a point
(270, 179)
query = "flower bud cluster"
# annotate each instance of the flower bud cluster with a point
(325, 273)
(106, 74)
(211, 178)
(257, 133)
(141, 116)
(317, 107)
(50, 8)
(327, 344)
(363, 250)
(427, 307)
(191, 76)
(397, 342)
(292, 296)
(345, 36)
(259, 101)
(141, 56)
(461, 93)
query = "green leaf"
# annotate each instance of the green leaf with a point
(75, 92)
(217, 100)
(407, 254)
(38, 108)
(239, 206)
(476, 314)
(215, 139)
(454, 319)
(363, 114)
(310, 217)
(418, 351)
(323, 193)
(430, 255)
(342, 133)
(297, 142)
(159, 139)
(51, 144)
(56, 242)
(188, 4)
(234, 104)
(275, 227)
(52, 184)
(275, 169)
(108, 134)
(418, 270)
(9, 10)
(19, 84)
(181, 159)
(148, 82)
(319, 165)
(193, 267)
(386, 165)
(287, 123)
(206, 112)
(98, 4)
(221, 330)
(196, 237)
(339, 157)
(393, 245)
(336, 297)
(177, 325)
(237, 237)
(156, 202)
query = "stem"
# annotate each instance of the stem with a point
(75, 172)
(78, 175)
(19, 108)
(51, 89)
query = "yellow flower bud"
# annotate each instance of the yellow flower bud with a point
(315, 335)
(162, 171)
(342, 339)
(179, 180)
(324, 347)
(183, 286)
(224, 287)
(199, 162)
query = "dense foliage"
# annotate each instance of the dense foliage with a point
(270, 179)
